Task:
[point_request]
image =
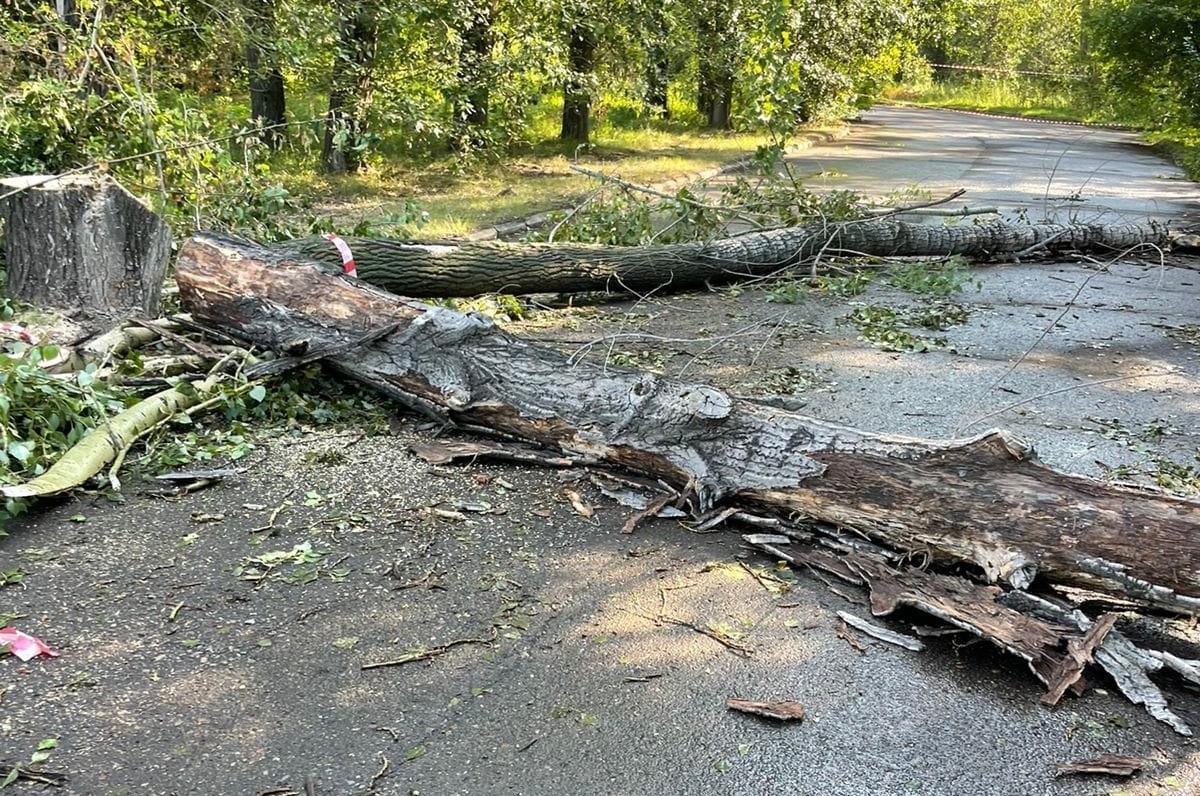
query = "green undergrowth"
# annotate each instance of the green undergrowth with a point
(43, 414)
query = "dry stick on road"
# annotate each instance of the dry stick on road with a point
(472, 268)
(983, 503)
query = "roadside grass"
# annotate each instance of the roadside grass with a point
(461, 194)
(1054, 101)
(1011, 97)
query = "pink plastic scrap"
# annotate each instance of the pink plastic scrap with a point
(23, 645)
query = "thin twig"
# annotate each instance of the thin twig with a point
(431, 652)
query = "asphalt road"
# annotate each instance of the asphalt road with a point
(179, 677)
(1032, 169)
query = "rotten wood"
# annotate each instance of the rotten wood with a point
(984, 501)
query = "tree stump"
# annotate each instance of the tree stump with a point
(83, 242)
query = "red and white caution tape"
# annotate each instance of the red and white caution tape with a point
(348, 265)
(8, 329)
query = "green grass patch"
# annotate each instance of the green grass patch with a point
(460, 195)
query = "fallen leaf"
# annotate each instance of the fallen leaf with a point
(23, 645)
(784, 710)
(1113, 765)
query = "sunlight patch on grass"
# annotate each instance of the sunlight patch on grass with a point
(459, 200)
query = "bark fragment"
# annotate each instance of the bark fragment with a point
(1114, 765)
(783, 710)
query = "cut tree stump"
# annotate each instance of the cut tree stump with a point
(469, 269)
(83, 242)
(982, 516)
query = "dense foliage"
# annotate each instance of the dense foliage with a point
(343, 85)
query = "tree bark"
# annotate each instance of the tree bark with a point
(468, 269)
(267, 100)
(658, 80)
(473, 90)
(83, 242)
(350, 87)
(983, 503)
(577, 89)
(715, 68)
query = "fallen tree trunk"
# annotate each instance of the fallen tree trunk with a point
(868, 502)
(985, 501)
(468, 269)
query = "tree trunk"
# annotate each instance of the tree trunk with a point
(83, 242)
(468, 269)
(474, 78)
(658, 80)
(577, 89)
(979, 509)
(985, 501)
(715, 66)
(350, 88)
(267, 102)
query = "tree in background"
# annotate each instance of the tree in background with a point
(581, 24)
(809, 58)
(717, 58)
(1152, 56)
(267, 103)
(471, 93)
(350, 86)
(657, 37)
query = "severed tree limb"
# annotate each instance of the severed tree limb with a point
(109, 441)
(467, 269)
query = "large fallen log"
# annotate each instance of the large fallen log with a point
(984, 500)
(983, 507)
(468, 269)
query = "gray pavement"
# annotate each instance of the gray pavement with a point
(1031, 169)
(177, 677)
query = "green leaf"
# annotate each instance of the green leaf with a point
(258, 393)
(19, 451)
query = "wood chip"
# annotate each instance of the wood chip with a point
(581, 506)
(784, 710)
(844, 632)
(1079, 655)
(1112, 765)
(652, 510)
(883, 634)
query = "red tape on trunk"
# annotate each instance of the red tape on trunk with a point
(348, 265)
